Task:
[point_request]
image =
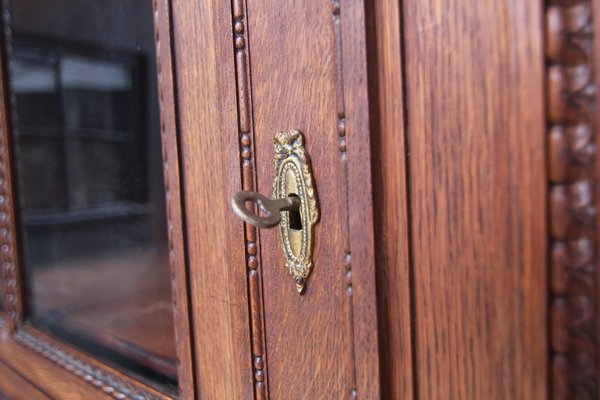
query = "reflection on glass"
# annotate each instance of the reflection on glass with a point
(91, 194)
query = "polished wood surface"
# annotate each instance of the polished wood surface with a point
(390, 198)
(355, 80)
(476, 140)
(310, 334)
(14, 386)
(174, 203)
(49, 378)
(317, 84)
(427, 127)
(206, 88)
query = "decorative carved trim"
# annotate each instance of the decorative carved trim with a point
(242, 68)
(97, 377)
(10, 274)
(341, 125)
(171, 172)
(173, 258)
(571, 96)
(292, 143)
(9, 269)
(337, 25)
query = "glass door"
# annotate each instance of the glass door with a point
(91, 210)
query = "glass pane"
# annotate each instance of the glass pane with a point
(41, 176)
(36, 87)
(97, 93)
(91, 193)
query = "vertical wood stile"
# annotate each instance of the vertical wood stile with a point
(171, 171)
(242, 65)
(343, 150)
(476, 132)
(390, 197)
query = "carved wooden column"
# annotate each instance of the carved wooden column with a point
(571, 95)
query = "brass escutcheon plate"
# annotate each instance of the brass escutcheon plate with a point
(293, 177)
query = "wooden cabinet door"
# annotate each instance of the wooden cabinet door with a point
(253, 70)
(426, 129)
(457, 210)
(308, 71)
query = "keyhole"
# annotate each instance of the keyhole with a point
(295, 218)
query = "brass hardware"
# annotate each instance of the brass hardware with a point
(293, 177)
(293, 205)
(272, 208)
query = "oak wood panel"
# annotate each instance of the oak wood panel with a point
(390, 198)
(308, 69)
(476, 129)
(48, 376)
(98, 376)
(359, 204)
(177, 256)
(294, 86)
(207, 116)
(248, 167)
(14, 386)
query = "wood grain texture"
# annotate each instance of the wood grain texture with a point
(98, 376)
(361, 237)
(476, 131)
(308, 72)
(171, 168)
(390, 198)
(248, 166)
(14, 386)
(571, 102)
(294, 86)
(207, 116)
(64, 373)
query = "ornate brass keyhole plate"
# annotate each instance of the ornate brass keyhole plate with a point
(293, 178)
(293, 206)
